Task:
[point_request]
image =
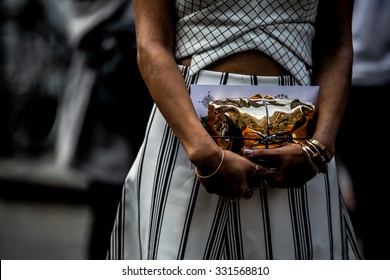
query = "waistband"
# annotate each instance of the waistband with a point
(224, 78)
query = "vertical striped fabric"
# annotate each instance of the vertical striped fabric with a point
(166, 214)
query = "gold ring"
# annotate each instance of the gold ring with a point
(256, 169)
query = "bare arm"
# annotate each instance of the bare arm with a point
(333, 54)
(332, 68)
(155, 31)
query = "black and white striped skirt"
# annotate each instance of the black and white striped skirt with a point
(165, 213)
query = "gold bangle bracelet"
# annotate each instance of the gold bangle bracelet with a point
(306, 151)
(216, 170)
(315, 157)
(324, 150)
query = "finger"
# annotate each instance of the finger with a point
(263, 170)
(259, 154)
(256, 170)
(273, 169)
(245, 191)
(248, 194)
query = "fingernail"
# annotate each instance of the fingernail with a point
(248, 152)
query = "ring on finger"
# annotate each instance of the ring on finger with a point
(256, 169)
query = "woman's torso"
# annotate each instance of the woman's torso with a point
(247, 63)
(214, 33)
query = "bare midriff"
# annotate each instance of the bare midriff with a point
(248, 63)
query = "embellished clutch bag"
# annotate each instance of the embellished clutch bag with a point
(259, 122)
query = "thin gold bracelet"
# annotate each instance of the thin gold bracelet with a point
(216, 170)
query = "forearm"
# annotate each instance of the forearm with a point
(332, 66)
(334, 81)
(169, 91)
(155, 33)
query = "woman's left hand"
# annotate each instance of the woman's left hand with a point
(292, 169)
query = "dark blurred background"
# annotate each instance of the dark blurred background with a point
(73, 109)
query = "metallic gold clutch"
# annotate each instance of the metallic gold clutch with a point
(259, 122)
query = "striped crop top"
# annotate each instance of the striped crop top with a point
(282, 29)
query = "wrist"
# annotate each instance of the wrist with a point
(323, 150)
(317, 155)
(325, 144)
(203, 175)
(204, 153)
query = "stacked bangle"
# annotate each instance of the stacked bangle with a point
(216, 170)
(317, 155)
(324, 152)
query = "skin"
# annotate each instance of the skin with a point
(332, 57)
